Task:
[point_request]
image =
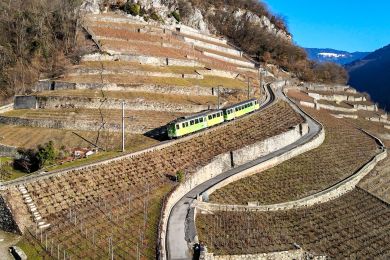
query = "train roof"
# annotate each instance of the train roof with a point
(241, 103)
(205, 113)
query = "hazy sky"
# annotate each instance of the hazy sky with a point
(344, 24)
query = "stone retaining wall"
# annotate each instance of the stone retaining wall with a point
(192, 32)
(152, 88)
(8, 151)
(229, 60)
(82, 72)
(219, 73)
(336, 97)
(143, 59)
(213, 47)
(82, 125)
(57, 102)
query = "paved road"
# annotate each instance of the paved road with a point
(179, 232)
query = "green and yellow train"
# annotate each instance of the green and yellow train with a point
(194, 123)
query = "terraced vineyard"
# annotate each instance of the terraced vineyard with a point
(208, 81)
(356, 225)
(378, 181)
(344, 151)
(56, 195)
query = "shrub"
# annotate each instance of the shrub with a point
(180, 176)
(133, 9)
(176, 15)
(155, 16)
(31, 160)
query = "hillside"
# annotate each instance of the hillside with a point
(332, 55)
(372, 75)
(234, 142)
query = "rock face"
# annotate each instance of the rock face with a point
(90, 7)
(195, 17)
(7, 222)
(262, 21)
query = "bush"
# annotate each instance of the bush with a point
(31, 160)
(180, 176)
(155, 16)
(133, 9)
(176, 15)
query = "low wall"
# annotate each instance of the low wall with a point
(152, 88)
(56, 102)
(214, 47)
(82, 125)
(229, 60)
(142, 59)
(336, 97)
(283, 255)
(7, 108)
(218, 73)
(25, 102)
(307, 104)
(387, 126)
(192, 32)
(345, 116)
(334, 108)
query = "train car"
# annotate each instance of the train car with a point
(194, 123)
(191, 124)
(215, 118)
(240, 109)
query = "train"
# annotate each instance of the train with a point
(191, 124)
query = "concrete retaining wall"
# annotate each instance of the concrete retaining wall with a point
(283, 255)
(25, 102)
(218, 73)
(7, 108)
(336, 97)
(229, 60)
(192, 32)
(56, 102)
(213, 47)
(81, 72)
(345, 116)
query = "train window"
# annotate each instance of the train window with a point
(210, 117)
(184, 125)
(214, 116)
(192, 122)
(177, 127)
(196, 121)
(201, 120)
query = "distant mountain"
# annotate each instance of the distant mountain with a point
(372, 74)
(336, 56)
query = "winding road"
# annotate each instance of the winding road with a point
(181, 230)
